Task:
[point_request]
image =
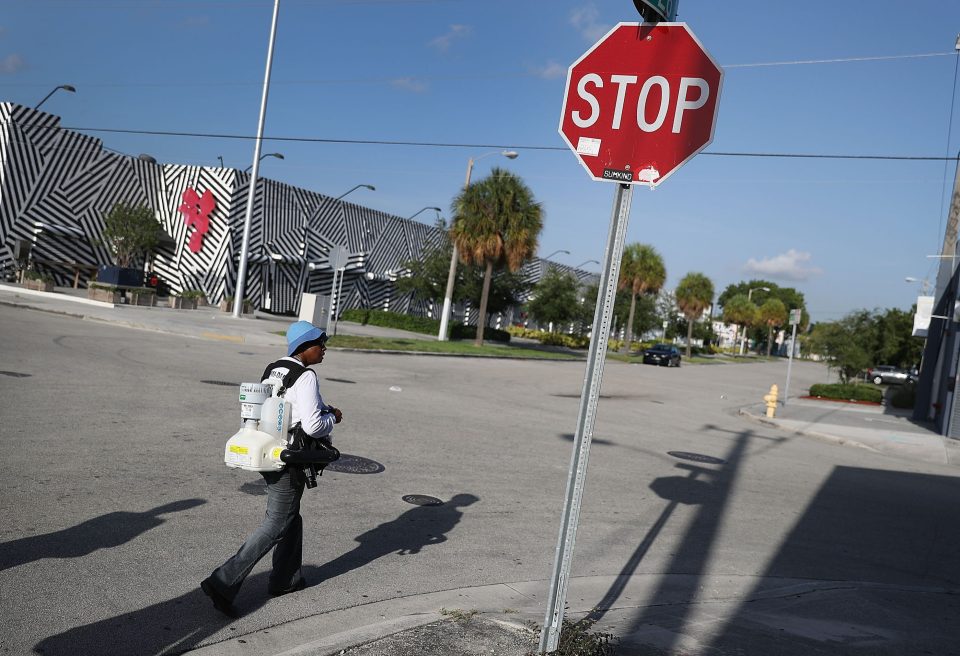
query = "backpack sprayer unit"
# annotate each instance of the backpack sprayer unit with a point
(261, 443)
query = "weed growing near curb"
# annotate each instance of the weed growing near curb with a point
(459, 615)
(576, 639)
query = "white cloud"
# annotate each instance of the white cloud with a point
(791, 265)
(409, 84)
(11, 64)
(585, 21)
(444, 41)
(550, 71)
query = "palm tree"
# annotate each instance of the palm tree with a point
(496, 222)
(642, 272)
(773, 313)
(741, 311)
(694, 295)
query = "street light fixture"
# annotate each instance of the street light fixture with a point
(436, 209)
(743, 338)
(547, 258)
(924, 284)
(65, 87)
(277, 155)
(452, 275)
(220, 157)
(587, 262)
(366, 186)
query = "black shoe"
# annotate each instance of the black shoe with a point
(220, 602)
(296, 588)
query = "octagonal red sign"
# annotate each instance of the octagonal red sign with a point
(641, 102)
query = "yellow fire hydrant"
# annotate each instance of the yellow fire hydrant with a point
(771, 399)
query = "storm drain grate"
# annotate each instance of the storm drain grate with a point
(422, 500)
(696, 457)
(225, 383)
(15, 374)
(348, 464)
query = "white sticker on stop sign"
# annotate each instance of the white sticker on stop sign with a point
(588, 146)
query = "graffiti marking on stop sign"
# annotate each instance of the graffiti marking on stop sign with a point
(641, 102)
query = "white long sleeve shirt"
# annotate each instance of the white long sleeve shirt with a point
(308, 405)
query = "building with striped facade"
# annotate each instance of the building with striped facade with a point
(57, 185)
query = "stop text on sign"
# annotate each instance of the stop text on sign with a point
(641, 102)
(652, 86)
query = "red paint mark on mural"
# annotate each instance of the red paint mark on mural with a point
(196, 212)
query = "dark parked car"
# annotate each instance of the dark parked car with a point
(885, 373)
(665, 355)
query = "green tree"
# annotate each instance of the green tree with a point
(791, 298)
(838, 343)
(641, 272)
(773, 313)
(427, 279)
(694, 295)
(496, 223)
(130, 232)
(740, 310)
(555, 300)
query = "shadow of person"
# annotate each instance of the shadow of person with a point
(168, 627)
(415, 529)
(103, 532)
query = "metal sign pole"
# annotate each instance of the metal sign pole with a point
(336, 316)
(793, 347)
(606, 295)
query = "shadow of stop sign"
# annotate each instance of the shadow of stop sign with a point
(641, 102)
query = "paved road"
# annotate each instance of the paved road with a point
(116, 501)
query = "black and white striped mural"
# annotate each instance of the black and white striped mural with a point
(56, 186)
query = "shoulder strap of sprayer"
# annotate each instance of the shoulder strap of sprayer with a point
(294, 371)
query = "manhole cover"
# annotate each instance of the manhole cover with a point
(254, 488)
(696, 457)
(342, 380)
(422, 500)
(15, 374)
(348, 464)
(220, 382)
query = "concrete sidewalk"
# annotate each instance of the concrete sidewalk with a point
(880, 429)
(208, 322)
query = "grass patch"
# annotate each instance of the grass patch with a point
(449, 348)
(459, 615)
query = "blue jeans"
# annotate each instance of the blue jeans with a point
(282, 527)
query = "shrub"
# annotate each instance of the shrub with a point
(31, 274)
(459, 331)
(423, 325)
(848, 392)
(193, 294)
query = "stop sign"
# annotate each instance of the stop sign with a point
(641, 102)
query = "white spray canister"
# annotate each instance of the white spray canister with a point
(275, 417)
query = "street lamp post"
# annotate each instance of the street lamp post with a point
(366, 186)
(924, 284)
(587, 262)
(547, 258)
(452, 275)
(262, 157)
(65, 87)
(248, 215)
(743, 338)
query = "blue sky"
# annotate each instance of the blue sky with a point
(491, 74)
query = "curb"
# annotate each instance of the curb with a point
(825, 437)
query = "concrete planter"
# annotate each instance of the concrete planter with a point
(147, 299)
(179, 303)
(104, 295)
(227, 306)
(38, 285)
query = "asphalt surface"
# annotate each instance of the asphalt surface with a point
(703, 530)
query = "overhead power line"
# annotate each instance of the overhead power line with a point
(437, 144)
